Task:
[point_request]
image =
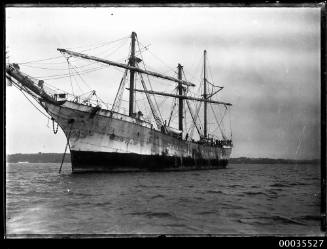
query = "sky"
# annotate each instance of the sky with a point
(267, 59)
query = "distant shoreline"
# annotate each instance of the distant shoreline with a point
(57, 157)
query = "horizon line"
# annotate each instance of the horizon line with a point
(247, 157)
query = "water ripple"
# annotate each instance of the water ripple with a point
(243, 199)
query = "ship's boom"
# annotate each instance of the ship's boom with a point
(121, 65)
(182, 97)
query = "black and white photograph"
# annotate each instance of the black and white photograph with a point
(190, 120)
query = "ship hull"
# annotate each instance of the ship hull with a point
(86, 161)
(101, 140)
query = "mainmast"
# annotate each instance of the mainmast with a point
(132, 72)
(205, 93)
(180, 101)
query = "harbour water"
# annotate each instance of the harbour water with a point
(244, 199)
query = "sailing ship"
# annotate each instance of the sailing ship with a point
(105, 139)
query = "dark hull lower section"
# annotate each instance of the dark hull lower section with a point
(84, 161)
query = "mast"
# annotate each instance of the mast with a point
(180, 101)
(205, 93)
(131, 80)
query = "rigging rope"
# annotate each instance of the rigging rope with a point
(193, 116)
(70, 78)
(170, 68)
(30, 101)
(165, 99)
(157, 118)
(51, 58)
(81, 77)
(230, 124)
(185, 123)
(57, 57)
(172, 111)
(61, 76)
(102, 45)
(221, 130)
(118, 98)
(88, 70)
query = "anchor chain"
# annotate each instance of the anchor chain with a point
(67, 144)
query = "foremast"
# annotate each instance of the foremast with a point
(132, 72)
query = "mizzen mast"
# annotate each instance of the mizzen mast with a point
(180, 101)
(205, 94)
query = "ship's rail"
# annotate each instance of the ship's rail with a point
(77, 106)
(83, 99)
